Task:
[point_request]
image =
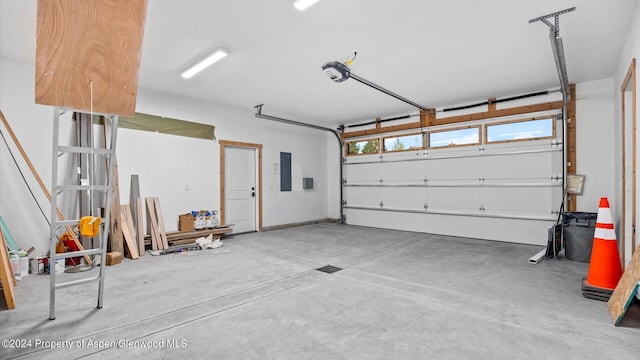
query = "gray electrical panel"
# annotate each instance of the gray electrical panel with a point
(285, 171)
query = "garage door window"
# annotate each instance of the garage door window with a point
(402, 143)
(363, 147)
(531, 129)
(455, 137)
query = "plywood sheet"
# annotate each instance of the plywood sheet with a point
(82, 45)
(626, 289)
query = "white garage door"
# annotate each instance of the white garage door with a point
(498, 179)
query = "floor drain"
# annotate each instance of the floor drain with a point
(329, 269)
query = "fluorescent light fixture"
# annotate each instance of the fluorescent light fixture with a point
(218, 54)
(303, 4)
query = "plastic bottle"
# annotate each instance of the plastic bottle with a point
(207, 220)
(214, 218)
(195, 219)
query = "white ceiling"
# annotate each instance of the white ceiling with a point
(434, 53)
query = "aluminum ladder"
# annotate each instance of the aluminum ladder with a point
(89, 185)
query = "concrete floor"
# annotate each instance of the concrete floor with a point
(400, 295)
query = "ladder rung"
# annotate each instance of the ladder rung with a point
(77, 282)
(66, 222)
(83, 187)
(74, 222)
(69, 254)
(85, 150)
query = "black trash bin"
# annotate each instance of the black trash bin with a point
(578, 229)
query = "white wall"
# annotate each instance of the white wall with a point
(176, 163)
(32, 125)
(166, 164)
(595, 145)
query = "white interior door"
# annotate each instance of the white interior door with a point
(240, 188)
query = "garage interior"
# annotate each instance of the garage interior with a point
(384, 179)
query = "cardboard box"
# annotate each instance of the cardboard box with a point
(185, 222)
(113, 258)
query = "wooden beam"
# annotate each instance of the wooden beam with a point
(572, 168)
(527, 109)
(429, 119)
(492, 105)
(382, 130)
(88, 54)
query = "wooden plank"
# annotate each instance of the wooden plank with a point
(128, 218)
(8, 281)
(572, 163)
(152, 226)
(132, 246)
(386, 129)
(623, 294)
(115, 233)
(172, 235)
(427, 117)
(161, 228)
(89, 44)
(183, 237)
(16, 142)
(140, 229)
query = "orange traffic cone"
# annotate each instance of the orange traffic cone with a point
(604, 269)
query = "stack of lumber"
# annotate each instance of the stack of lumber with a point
(130, 223)
(187, 237)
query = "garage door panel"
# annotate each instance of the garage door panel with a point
(516, 185)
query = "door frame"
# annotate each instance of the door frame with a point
(629, 80)
(258, 147)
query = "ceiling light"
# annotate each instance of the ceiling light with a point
(303, 4)
(218, 54)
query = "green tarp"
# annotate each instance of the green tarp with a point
(164, 125)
